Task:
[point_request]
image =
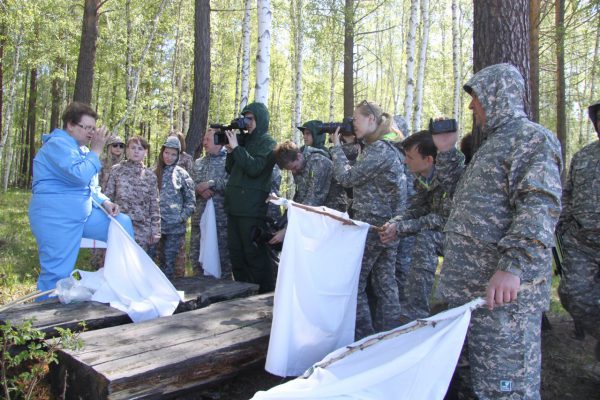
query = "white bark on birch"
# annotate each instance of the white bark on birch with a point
(422, 64)
(246, 55)
(410, 60)
(456, 59)
(299, 46)
(136, 72)
(263, 54)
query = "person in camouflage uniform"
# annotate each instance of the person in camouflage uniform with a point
(340, 198)
(250, 169)
(312, 170)
(425, 219)
(186, 162)
(177, 204)
(500, 233)
(210, 180)
(579, 229)
(114, 154)
(379, 189)
(135, 189)
(312, 135)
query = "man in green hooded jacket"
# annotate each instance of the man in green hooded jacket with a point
(312, 135)
(249, 167)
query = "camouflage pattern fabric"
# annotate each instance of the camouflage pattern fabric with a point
(339, 198)
(177, 204)
(135, 189)
(579, 228)
(506, 206)
(313, 181)
(211, 167)
(108, 161)
(379, 188)
(168, 249)
(273, 210)
(186, 162)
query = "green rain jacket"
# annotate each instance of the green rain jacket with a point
(250, 167)
(318, 138)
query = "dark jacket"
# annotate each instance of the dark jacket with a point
(318, 137)
(250, 167)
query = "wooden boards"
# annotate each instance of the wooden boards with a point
(198, 292)
(155, 359)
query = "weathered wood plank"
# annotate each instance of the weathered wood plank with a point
(198, 292)
(158, 358)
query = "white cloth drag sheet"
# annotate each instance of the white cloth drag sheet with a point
(209, 242)
(314, 310)
(413, 363)
(132, 281)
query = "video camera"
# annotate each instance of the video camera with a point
(442, 126)
(263, 235)
(346, 127)
(240, 124)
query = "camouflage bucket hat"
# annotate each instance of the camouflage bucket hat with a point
(173, 143)
(114, 140)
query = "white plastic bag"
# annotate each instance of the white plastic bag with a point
(209, 242)
(72, 290)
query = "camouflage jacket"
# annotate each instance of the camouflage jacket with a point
(186, 162)
(338, 197)
(313, 181)
(177, 199)
(377, 179)
(107, 161)
(581, 192)
(211, 167)
(431, 204)
(135, 189)
(509, 194)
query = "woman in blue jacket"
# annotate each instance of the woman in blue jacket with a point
(65, 181)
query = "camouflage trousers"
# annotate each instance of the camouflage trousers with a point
(194, 253)
(421, 275)
(403, 259)
(579, 288)
(504, 345)
(168, 249)
(378, 265)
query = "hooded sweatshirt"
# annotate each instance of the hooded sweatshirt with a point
(250, 168)
(318, 137)
(581, 192)
(509, 194)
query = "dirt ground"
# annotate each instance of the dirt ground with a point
(569, 370)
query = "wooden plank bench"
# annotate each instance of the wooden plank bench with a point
(198, 292)
(158, 358)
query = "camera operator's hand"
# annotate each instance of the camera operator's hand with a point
(388, 233)
(445, 141)
(233, 143)
(278, 237)
(335, 137)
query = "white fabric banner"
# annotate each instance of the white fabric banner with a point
(209, 241)
(314, 309)
(132, 281)
(413, 362)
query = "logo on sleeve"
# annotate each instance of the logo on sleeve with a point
(506, 386)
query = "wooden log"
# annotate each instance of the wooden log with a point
(159, 358)
(47, 315)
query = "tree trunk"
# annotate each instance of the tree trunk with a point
(501, 35)
(128, 67)
(534, 58)
(410, 60)
(422, 63)
(201, 97)
(244, 96)
(348, 58)
(298, 48)
(172, 122)
(456, 60)
(332, 69)
(56, 97)
(561, 107)
(263, 54)
(84, 82)
(593, 81)
(2, 44)
(29, 142)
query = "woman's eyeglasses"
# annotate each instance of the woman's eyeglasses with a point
(88, 128)
(121, 145)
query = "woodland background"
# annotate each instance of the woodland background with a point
(155, 65)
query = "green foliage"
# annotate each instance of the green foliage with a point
(25, 357)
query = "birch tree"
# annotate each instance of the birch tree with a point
(245, 55)
(422, 63)
(296, 7)
(410, 60)
(263, 54)
(561, 107)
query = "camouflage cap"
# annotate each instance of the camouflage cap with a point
(114, 140)
(173, 143)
